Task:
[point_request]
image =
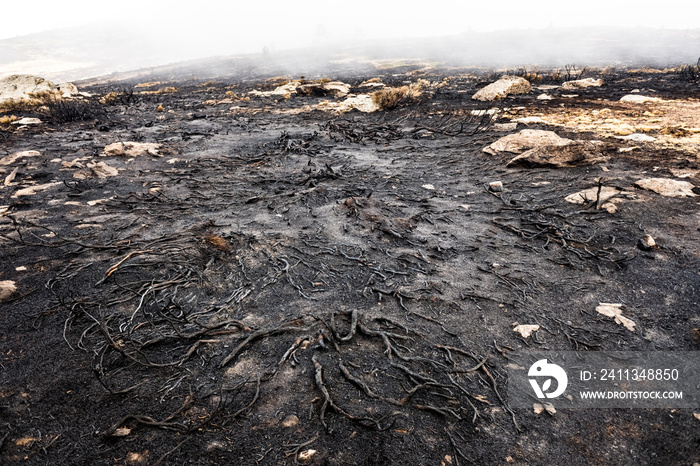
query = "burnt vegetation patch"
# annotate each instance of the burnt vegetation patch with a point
(60, 110)
(290, 285)
(690, 73)
(124, 95)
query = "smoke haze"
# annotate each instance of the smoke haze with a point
(82, 39)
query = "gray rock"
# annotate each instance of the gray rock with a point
(667, 187)
(132, 149)
(25, 86)
(571, 155)
(507, 85)
(7, 287)
(639, 99)
(333, 88)
(20, 86)
(646, 243)
(526, 140)
(582, 84)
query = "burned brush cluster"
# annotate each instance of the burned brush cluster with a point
(690, 73)
(569, 72)
(61, 110)
(122, 96)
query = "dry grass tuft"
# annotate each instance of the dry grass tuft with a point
(690, 73)
(7, 119)
(218, 242)
(533, 77)
(124, 96)
(165, 90)
(277, 81)
(393, 97)
(61, 110)
(19, 105)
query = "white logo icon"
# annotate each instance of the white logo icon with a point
(544, 369)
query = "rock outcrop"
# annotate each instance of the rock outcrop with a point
(639, 99)
(667, 187)
(582, 84)
(570, 155)
(362, 102)
(525, 140)
(507, 85)
(12, 158)
(320, 89)
(132, 149)
(332, 88)
(591, 194)
(26, 86)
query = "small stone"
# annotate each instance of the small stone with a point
(646, 243)
(529, 120)
(121, 432)
(98, 201)
(610, 207)
(526, 330)
(539, 408)
(290, 421)
(549, 407)
(215, 445)
(307, 455)
(614, 310)
(137, 458)
(27, 121)
(7, 287)
(496, 186)
(429, 187)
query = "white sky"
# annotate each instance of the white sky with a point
(293, 22)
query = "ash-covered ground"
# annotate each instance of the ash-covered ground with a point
(278, 278)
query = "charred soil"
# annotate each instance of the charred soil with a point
(282, 283)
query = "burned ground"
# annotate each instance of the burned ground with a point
(286, 278)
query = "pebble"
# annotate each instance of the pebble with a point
(646, 243)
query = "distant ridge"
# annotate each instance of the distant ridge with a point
(88, 52)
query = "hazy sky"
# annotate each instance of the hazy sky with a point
(294, 23)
